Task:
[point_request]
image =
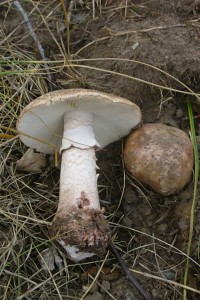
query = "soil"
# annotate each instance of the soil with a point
(165, 35)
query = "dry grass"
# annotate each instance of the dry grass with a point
(28, 201)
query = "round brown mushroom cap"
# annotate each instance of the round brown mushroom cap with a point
(160, 156)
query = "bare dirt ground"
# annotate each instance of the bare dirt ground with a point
(145, 51)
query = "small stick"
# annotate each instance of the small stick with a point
(130, 277)
(37, 42)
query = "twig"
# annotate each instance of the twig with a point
(130, 277)
(8, 141)
(5, 2)
(37, 42)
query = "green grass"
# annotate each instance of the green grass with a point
(195, 193)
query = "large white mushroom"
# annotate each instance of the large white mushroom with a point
(78, 122)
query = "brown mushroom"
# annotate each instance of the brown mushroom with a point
(160, 156)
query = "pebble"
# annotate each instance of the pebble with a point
(183, 224)
(162, 228)
(93, 288)
(130, 196)
(169, 275)
(179, 113)
(95, 296)
(127, 222)
(185, 195)
(105, 286)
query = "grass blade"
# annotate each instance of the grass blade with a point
(196, 176)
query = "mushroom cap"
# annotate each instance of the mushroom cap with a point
(41, 123)
(160, 156)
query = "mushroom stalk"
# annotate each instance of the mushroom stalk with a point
(79, 224)
(78, 180)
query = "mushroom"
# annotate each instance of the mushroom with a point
(160, 156)
(78, 121)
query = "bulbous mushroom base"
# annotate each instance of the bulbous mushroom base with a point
(82, 233)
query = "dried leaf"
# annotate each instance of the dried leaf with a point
(49, 259)
(31, 162)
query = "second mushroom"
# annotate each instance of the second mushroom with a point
(160, 156)
(78, 122)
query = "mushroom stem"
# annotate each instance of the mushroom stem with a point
(78, 183)
(78, 180)
(79, 224)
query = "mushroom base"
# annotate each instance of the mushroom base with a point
(81, 233)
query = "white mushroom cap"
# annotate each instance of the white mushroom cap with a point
(41, 122)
